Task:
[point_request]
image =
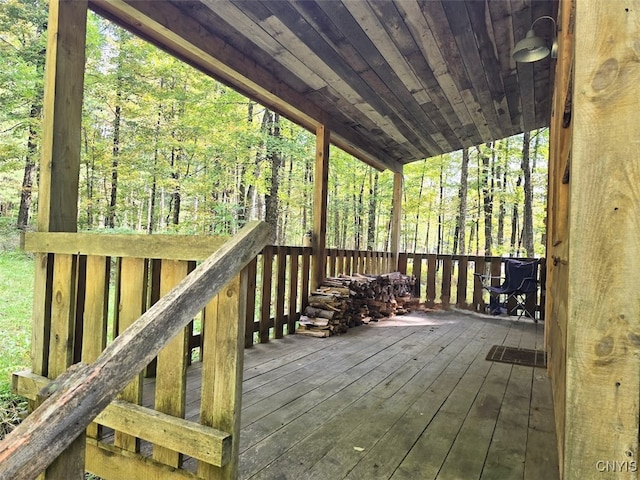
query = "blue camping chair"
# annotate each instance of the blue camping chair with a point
(520, 280)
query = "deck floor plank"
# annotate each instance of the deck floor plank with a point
(362, 424)
(406, 398)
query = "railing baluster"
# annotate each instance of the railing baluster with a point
(265, 310)
(171, 375)
(431, 279)
(95, 316)
(280, 292)
(250, 316)
(132, 305)
(445, 295)
(292, 315)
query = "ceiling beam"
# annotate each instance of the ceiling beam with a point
(166, 26)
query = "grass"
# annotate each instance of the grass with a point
(16, 299)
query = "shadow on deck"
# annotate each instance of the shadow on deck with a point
(410, 397)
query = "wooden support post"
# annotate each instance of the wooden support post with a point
(396, 218)
(560, 132)
(60, 159)
(603, 319)
(95, 314)
(58, 186)
(321, 180)
(281, 262)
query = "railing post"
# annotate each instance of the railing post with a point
(445, 295)
(461, 294)
(222, 364)
(265, 307)
(431, 279)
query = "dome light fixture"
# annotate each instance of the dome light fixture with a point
(533, 48)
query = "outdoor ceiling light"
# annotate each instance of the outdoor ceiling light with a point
(533, 48)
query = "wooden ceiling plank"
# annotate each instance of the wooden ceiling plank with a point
(405, 47)
(424, 38)
(521, 17)
(438, 23)
(395, 72)
(390, 89)
(460, 25)
(544, 70)
(488, 41)
(335, 72)
(500, 16)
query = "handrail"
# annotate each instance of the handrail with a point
(76, 398)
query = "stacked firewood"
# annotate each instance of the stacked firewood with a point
(348, 301)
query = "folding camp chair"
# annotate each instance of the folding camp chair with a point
(520, 280)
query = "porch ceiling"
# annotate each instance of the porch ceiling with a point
(395, 82)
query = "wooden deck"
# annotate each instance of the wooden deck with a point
(407, 398)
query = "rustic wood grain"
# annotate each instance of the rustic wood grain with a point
(131, 305)
(76, 400)
(603, 325)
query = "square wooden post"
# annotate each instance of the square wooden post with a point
(57, 203)
(222, 364)
(321, 180)
(396, 218)
(603, 319)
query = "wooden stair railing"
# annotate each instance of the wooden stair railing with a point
(74, 399)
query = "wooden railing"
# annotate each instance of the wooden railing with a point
(281, 276)
(116, 302)
(279, 285)
(98, 286)
(449, 280)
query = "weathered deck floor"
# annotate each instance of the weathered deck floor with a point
(409, 398)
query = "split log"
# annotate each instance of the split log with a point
(357, 299)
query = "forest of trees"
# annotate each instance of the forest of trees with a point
(167, 149)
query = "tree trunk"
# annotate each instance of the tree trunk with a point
(440, 208)
(154, 182)
(274, 157)
(111, 216)
(487, 198)
(306, 198)
(373, 203)
(287, 207)
(527, 228)
(30, 164)
(415, 232)
(175, 199)
(357, 214)
(515, 223)
(461, 221)
(337, 241)
(501, 175)
(90, 176)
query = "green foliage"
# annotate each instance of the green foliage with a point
(192, 155)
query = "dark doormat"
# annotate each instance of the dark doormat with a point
(519, 356)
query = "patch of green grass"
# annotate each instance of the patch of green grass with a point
(16, 302)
